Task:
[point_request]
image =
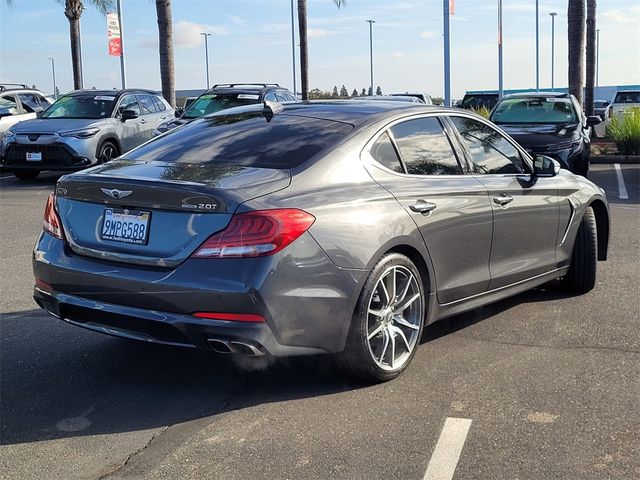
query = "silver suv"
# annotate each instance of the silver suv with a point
(81, 129)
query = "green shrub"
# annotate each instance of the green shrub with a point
(482, 111)
(624, 130)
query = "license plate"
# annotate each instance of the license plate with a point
(34, 156)
(127, 226)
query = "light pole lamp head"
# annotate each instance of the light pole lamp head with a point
(553, 14)
(370, 21)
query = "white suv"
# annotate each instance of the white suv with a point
(18, 102)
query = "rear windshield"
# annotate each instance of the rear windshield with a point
(214, 102)
(248, 139)
(81, 106)
(478, 101)
(535, 110)
(627, 97)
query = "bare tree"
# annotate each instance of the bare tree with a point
(575, 36)
(165, 47)
(591, 57)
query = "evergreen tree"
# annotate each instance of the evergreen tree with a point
(354, 93)
(378, 90)
(370, 92)
(334, 94)
(343, 92)
(363, 93)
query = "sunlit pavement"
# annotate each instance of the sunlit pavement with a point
(543, 385)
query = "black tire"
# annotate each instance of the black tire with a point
(26, 174)
(357, 360)
(107, 151)
(581, 277)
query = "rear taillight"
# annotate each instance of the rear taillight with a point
(256, 234)
(52, 223)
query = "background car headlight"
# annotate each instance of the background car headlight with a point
(84, 133)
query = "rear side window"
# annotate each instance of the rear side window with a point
(29, 102)
(490, 151)
(627, 97)
(385, 154)
(147, 104)
(248, 139)
(160, 106)
(424, 147)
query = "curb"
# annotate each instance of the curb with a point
(628, 159)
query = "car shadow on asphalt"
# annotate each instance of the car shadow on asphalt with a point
(45, 180)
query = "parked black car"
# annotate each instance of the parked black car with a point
(550, 124)
(227, 95)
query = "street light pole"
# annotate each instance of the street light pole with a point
(123, 71)
(500, 76)
(447, 52)
(537, 48)
(206, 54)
(371, 22)
(53, 71)
(553, 48)
(597, 61)
(293, 47)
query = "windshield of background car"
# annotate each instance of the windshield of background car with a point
(248, 139)
(214, 102)
(534, 110)
(478, 101)
(81, 106)
(627, 97)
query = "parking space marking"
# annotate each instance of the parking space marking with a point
(622, 189)
(8, 176)
(448, 449)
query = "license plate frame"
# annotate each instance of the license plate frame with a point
(33, 156)
(125, 231)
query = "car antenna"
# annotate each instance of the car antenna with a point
(271, 108)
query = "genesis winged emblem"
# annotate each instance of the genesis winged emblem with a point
(115, 193)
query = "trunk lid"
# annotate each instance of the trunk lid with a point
(182, 205)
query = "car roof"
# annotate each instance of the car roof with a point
(115, 93)
(356, 113)
(388, 98)
(538, 95)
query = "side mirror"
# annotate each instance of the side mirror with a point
(544, 166)
(7, 111)
(593, 120)
(178, 112)
(128, 115)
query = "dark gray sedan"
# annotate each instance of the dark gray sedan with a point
(339, 228)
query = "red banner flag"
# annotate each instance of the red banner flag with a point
(113, 35)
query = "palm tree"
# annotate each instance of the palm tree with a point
(575, 37)
(73, 11)
(165, 46)
(591, 56)
(304, 57)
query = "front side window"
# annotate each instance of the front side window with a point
(8, 101)
(425, 148)
(129, 102)
(29, 102)
(383, 152)
(81, 106)
(490, 151)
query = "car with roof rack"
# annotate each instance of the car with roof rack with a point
(83, 128)
(227, 95)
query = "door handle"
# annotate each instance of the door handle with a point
(422, 206)
(142, 120)
(503, 199)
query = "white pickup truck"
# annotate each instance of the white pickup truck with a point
(624, 101)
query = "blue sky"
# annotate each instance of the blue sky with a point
(251, 41)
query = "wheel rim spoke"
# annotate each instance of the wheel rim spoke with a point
(384, 347)
(402, 307)
(401, 334)
(375, 331)
(392, 292)
(386, 293)
(403, 295)
(393, 349)
(403, 321)
(377, 313)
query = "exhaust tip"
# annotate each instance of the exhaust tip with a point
(219, 346)
(247, 349)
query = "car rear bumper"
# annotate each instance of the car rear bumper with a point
(306, 301)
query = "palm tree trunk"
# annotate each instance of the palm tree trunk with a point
(165, 37)
(591, 56)
(575, 36)
(73, 12)
(304, 58)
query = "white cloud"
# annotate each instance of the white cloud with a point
(187, 34)
(397, 55)
(318, 33)
(427, 34)
(619, 16)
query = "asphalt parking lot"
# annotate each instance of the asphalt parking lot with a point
(540, 386)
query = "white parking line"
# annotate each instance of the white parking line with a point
(8, 176)
(622, 189)
(448, 449)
